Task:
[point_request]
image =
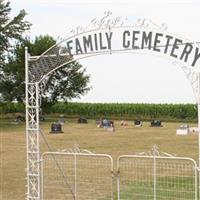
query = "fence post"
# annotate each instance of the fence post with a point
(112, 184)
(118, 179)
(42, 179)
(154, 174)
(75, 177)
(198, 110)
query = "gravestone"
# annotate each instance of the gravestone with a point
(82, 120)
(56, 128)
(137, 123)
(156, 123)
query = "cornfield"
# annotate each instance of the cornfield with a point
(164, 112)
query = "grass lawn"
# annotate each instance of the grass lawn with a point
(144, 190)
(125, 140)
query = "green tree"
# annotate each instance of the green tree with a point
(66, 83)
(10, 29)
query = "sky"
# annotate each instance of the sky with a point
(122, 78)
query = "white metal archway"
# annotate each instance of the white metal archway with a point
(99, 37)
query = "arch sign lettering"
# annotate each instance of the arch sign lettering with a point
(107, 35)
(131, 39)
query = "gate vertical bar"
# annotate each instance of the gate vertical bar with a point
(38, 161)
(154, 176)
(42, 179)
(75, 177)
(26, 93)
(32, 135)
(118, 178)
(198, 106)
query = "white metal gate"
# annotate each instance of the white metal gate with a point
(81, 176)
(77, 176)
(156, 178)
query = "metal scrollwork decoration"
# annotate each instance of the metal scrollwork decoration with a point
(42, 86)
(76, 149)
(108, 21)
(155, 152)
(147, 23)
(193, 78)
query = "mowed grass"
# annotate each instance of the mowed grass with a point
(125, 140)
(144, 190)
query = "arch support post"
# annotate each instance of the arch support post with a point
(32, 136)
(198, 107)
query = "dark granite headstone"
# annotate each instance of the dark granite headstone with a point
(156, 123)
(82, 120)
(56, 128)
(137, 122)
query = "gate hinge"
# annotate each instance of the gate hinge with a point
(197, 168)
(115, 174)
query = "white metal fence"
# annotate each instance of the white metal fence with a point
(156, 178)
(77, 176)
(84, 176)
